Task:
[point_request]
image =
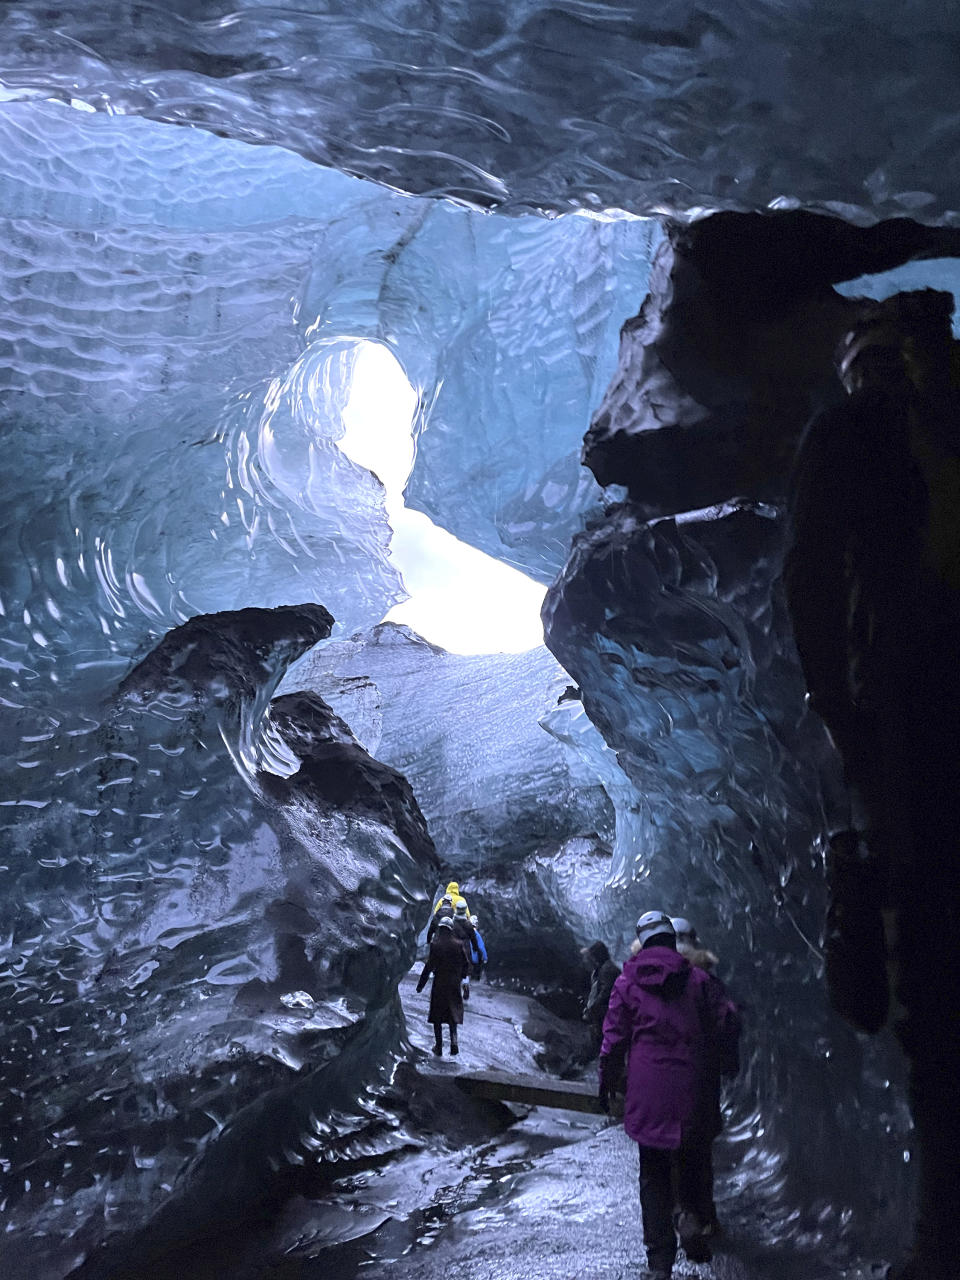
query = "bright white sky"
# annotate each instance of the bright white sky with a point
(460, 598)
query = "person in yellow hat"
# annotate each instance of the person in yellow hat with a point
(452, 892)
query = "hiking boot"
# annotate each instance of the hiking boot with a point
(438, 1049)
(693, 1238)
(454, 1050)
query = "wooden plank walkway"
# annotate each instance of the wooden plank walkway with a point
(534, 1090)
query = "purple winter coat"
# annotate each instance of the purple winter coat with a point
(675, 1030)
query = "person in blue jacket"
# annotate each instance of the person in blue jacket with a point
(478, 952)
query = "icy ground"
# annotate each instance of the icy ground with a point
(554, 1197)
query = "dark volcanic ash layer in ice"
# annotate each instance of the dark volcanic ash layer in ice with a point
(670, 616)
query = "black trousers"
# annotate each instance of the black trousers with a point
(596, 1039)
(438, 1033)
(673, 1182)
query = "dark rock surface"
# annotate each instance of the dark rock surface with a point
(235, 653)
(732, 353)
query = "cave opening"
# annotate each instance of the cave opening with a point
(458, 597)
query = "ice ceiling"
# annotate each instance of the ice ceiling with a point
(536, 105)
(216, 858)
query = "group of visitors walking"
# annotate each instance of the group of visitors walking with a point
(666, 1033)
(456, 950)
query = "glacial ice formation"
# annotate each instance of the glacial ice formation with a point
(539, 105)
(492, 784)
(517, 810)
(678, 639)
(675, 629)
(212, 882)
(187, 929)
(181, 320)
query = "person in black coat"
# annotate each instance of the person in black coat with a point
(443, 912)
(872, 582)
(463, 928)
(448, 963)
(603, 974)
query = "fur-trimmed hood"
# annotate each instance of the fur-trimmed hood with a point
(657, 969)
(699, 957)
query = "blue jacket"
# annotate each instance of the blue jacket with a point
(478, 952)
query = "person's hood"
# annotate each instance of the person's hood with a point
(700, 957)
(596, 953)
(658, 969)
(453, 889)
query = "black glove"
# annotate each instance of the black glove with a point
(603, 1099)
(465, 988)
(422, 983)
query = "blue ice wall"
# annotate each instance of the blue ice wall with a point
(534, 346)
(677, 634)
(465, 730)
(150, 354)
(175, 308)
(180, 315)
(508, 329)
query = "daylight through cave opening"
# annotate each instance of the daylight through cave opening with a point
(457, 596)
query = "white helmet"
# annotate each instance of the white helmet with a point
(684, 930)
(473, 921)
(460, 909)
(653, 924)
(445, 922)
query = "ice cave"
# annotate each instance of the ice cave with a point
(402, 405)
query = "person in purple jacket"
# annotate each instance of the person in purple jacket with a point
(670, 1032)
(689, 945)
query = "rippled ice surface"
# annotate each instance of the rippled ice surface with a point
(180, 320)
(536, 104)
(675, 631)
